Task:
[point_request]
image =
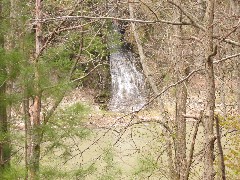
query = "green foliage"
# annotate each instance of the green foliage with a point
(14, 59)
(10, 70)
(4, 21)
(66, 125)
(3, 74)
(13, 172)
(55, 61)
(232, 155)
(111, 170)
(26, 78)
(95, 47)
(82, 172)
(49, 173)
(54, 68)
(11, 62)
(146, 166)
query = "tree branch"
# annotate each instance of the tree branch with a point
(226, 58)
(229, 41)
(189, 16)
(67, 18)
(55, 31)
(171, 86)
(196, 24)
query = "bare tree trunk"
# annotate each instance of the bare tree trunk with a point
(35, 109)
(4, 143)
(146, 71)
(170, 162)
(181, 101)
(220, 149)
(238, 87)
(235, 8)
(208, 122)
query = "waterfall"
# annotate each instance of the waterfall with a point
(127, 82)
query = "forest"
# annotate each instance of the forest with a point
(119, 89)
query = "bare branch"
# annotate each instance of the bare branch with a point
(189, 16)
(55, 31)
(67, 18)
(149, 9)
(171, 86)
(229, 41)
(192, 148)
(190, 116)
(226, 58)
(232, 31)
(146, 71)
(78, 79)
(195, 23)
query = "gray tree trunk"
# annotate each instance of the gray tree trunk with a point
(235, 10)
(208, 121)
(181, 101)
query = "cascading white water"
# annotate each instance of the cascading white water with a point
(127, 83)
(128, 86)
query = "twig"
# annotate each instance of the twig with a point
(226, 58)
(78, 79)
(190, 116)
(153, 121)
(55, 31)
(229, 41)
(232, 31)
(145, 4)
(189, 16)
(101, 136)
(195, 23)
(171, 86)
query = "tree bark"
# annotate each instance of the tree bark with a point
(35, 109)
(181, 101)
(238, 87)
(235, 10)
(208, 122)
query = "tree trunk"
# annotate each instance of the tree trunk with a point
(181, 101)
(238, 87)
(148, 74)
(208, 122)
(220, 150)
(235, 10)
(4, 143)
(35, 109)
(146, 71)
(180, 124)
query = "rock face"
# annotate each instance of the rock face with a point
(127, 83)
